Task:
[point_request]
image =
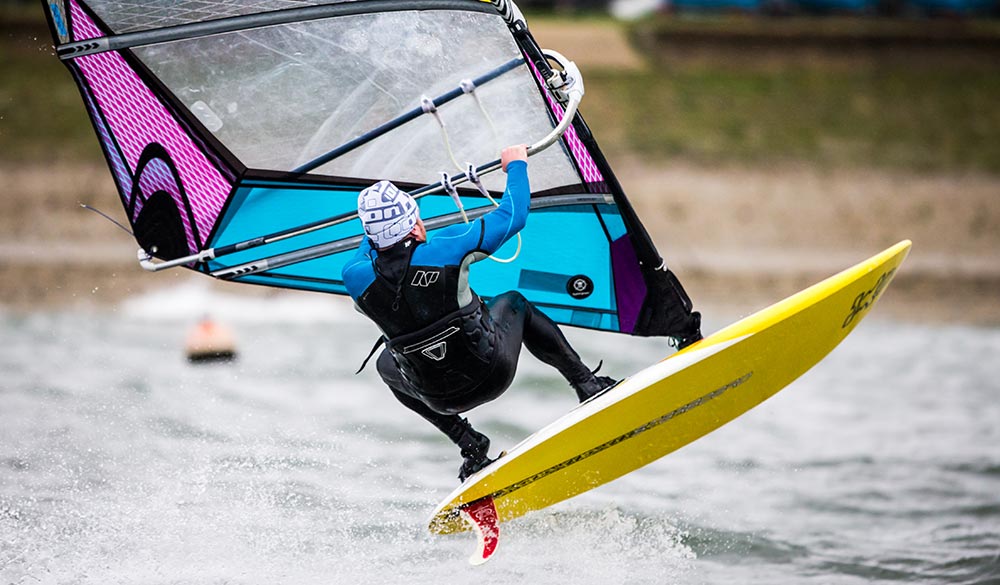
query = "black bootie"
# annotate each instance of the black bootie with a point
(475, 447)
(591, 384)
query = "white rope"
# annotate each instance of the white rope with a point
(428, 107)
(450, 188)
(470, 172)
(470, 89)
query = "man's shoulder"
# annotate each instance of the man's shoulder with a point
(449, 244)
(359, 259)
(357, 274)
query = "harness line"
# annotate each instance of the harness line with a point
(470, 170)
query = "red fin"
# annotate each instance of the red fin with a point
(482, 515)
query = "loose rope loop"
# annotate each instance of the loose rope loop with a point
(470, 172)
(429, 107)
(470, 89)
(450, 188)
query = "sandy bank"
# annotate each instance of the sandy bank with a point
(739, 238)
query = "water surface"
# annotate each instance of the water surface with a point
(122, 463)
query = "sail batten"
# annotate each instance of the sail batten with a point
(407, 117)
(151, 30)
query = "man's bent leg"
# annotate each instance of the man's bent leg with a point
(521, 321)
(473, 444)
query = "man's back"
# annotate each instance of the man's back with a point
(454, 246)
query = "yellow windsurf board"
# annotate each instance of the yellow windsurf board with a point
(669, 404)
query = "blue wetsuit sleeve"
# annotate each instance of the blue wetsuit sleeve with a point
(452, 244)
(509, 217)
(357, 272)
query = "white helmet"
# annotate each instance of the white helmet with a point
(387, 213)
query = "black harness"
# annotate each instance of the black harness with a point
(441, 349)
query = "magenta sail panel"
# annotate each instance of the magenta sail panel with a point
(584, 162)
(122, 174)
(139, 121)
(588, 168)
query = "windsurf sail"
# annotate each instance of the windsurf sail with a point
(239, 135)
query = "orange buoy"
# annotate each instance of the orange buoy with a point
(209, 341)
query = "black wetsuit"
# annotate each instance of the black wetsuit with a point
(446, 350)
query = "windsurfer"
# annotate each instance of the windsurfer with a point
(447, 351)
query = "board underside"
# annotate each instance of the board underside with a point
(677, 400)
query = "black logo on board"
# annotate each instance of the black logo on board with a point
(867, 298)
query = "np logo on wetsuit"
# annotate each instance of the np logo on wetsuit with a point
(425, 278)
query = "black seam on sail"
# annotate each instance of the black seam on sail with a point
(604, 226)
(215, 153)
(270, 179)
(666, 310)
(266, 179)
(94, 109)
(250, 21)
(156, 151)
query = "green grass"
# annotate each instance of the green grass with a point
(903, 119)
(883, 115)
(42, 116)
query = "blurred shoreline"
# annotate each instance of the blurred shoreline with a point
(747, 201)
(739, 238)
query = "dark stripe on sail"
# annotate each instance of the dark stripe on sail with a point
(405, 118)
(238, 23)
(329, 248)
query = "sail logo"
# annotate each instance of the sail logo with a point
(425, 278)
(579, 286)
